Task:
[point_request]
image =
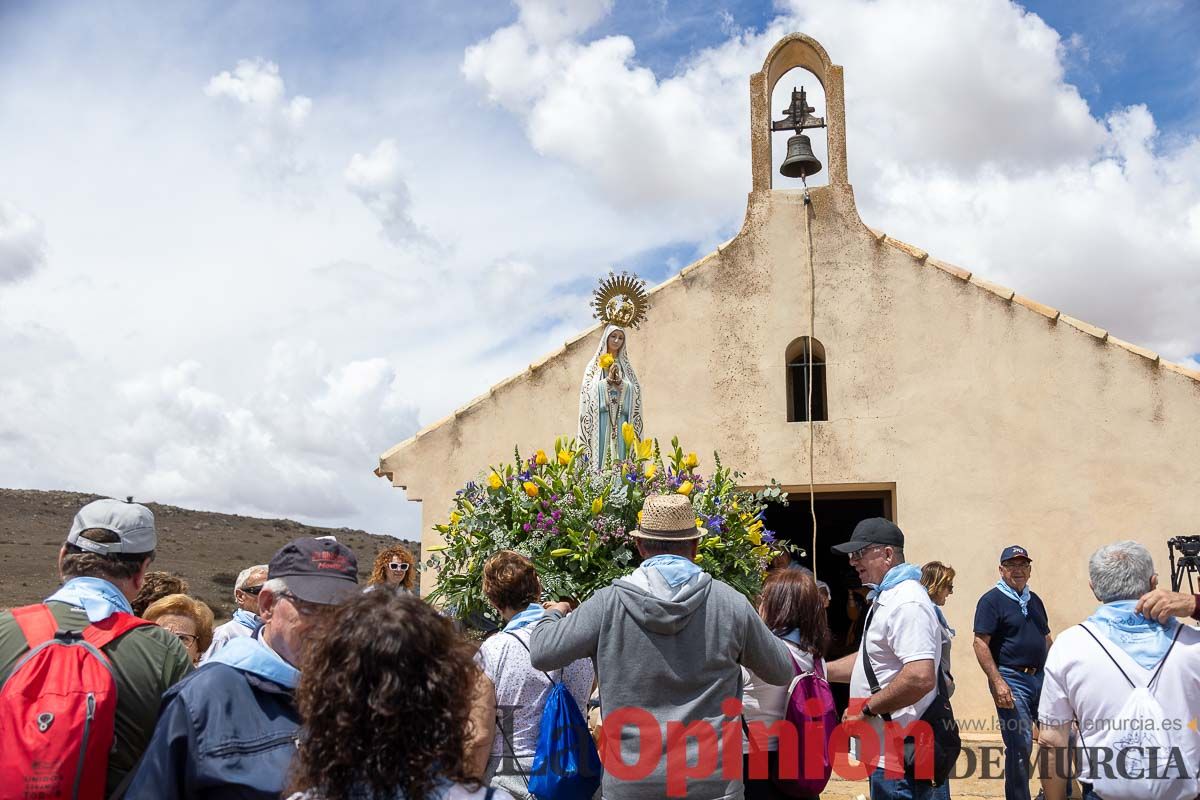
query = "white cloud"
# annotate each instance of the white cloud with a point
(301, 443)
(167, 348)
(376, 179)
(677, 146)
(964, 138)
(22, 244)
(271, 122)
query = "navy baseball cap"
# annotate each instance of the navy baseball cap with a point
(1014, 551)
(316, 570)
(875, 530)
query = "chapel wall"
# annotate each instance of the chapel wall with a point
(996, 424)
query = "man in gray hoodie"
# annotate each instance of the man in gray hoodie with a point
(667, 641)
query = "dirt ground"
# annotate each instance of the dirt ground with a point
(971, 788)
(206, 548)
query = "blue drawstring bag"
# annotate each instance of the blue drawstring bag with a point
(566, 765)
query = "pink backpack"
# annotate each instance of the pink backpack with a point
(811, 711)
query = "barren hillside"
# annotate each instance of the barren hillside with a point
(207, 548)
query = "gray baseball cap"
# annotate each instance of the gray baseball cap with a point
(132, 522)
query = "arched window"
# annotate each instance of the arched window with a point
(802, 354)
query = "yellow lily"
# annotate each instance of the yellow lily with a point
(645, 448)
(565, 457)
(597, 505)
(495, 481)
(761, 551)
(628, 434)
(531, 488)
(560, 552)
(539, 458)
(754, 536)
(455, 517)
(691, 461)
(650, 470)
(639, 518)
(685, 488)
(606, 361)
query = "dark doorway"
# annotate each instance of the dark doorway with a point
(837, 514)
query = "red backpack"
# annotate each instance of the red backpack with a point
(57, 709)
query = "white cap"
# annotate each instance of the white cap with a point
(132, 522)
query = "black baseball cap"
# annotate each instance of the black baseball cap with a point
(316, 570)
(875, 530)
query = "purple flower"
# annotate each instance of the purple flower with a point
(768, 537)
(527, 527)
(556, 514)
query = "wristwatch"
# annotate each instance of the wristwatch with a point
(866, 710)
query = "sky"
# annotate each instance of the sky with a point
(246, 247)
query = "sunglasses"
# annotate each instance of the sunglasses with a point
(858, 555)
(252, 590)
(398, 566)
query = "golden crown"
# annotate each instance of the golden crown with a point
(621, 300)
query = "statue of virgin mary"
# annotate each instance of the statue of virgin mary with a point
(609, 396)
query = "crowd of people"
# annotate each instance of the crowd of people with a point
(320, 688)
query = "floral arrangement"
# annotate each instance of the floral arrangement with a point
(575, 523)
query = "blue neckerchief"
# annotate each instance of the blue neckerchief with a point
(251, 654)
(675, 570)
(530, 615)
(942, 619)
(1144, 639)
(98, 598)
(1022, 598)
(895, 576)
(244, 617)
(793, 636)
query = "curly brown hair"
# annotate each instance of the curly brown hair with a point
(380, 569)
(790, 600)
(155, 586)
(510, 581)
(384, 696)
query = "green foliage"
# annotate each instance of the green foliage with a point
(575, 524)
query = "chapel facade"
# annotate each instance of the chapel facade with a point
(972, 416)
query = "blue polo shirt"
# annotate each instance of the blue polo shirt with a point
(1017, 640)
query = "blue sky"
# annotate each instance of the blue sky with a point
(282, 235)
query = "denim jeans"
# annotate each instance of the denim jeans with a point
(898, 789)
(941, 792)
(1016, 727)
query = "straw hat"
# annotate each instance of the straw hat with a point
(668, 517)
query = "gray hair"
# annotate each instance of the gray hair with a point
(275, 586)
(1120, 571)
(245, 574)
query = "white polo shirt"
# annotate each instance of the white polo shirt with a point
(1083, 684)
(904, 629)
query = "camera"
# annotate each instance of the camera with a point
(1187, 562)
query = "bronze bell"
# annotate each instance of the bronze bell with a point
(800, 161)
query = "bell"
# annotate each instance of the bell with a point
(800, 161)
